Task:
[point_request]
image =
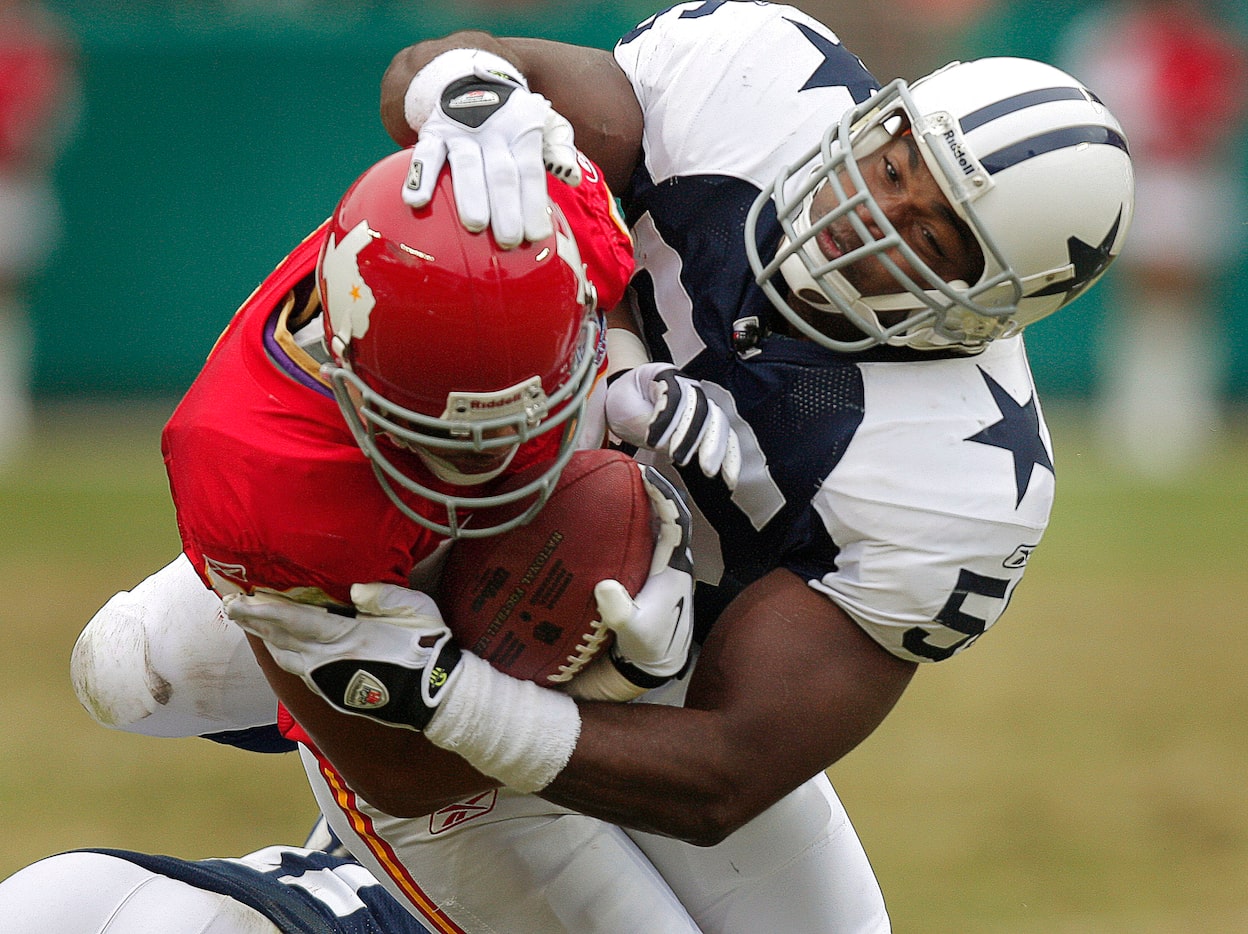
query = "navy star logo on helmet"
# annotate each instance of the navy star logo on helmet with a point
(1089, 262)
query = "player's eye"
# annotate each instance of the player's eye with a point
(933, 243)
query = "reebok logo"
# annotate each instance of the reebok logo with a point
(461, 812)
(1020, 557)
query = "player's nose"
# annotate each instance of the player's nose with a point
(863, 211)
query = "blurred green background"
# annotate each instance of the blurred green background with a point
(1081, 770)
(213, 134)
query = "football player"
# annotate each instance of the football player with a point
(364, 405)
(844, 270)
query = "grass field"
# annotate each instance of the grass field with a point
(1082, 769)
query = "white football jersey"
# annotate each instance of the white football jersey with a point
(910, 487)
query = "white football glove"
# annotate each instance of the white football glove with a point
(476, 111)
(654, 630)
(656, 407)
(393, 662)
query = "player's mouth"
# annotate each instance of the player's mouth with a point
(829, 246)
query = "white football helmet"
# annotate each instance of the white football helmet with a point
(1028, 158)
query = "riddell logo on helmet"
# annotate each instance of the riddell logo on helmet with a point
(526, 397)
(496, 403)
(958, 151)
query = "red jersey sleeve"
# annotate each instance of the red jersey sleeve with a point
(269, 487)
(601, 236)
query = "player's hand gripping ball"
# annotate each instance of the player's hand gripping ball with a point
(524, 600)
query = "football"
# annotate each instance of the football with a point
(524, 600)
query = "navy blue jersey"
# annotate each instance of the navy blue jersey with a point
(909, 487)
(301, 891)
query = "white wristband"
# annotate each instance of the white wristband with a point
(512, 730)
(427, 85)
(625, 350)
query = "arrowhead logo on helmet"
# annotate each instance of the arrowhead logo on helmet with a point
(348, 293)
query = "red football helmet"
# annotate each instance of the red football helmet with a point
(445, 345)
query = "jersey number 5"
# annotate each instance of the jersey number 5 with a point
(953, 616)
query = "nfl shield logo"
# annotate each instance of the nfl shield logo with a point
(365, 692)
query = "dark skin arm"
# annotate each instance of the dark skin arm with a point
(785, 686)
(585, 85)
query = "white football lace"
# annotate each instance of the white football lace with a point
(591, 643)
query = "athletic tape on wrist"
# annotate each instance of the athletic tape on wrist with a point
(425, 89)
(601, 680)
(625, 350)
(508, 729)
(638, 676)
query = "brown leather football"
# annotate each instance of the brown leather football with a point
(524, 600)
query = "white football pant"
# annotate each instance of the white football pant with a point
(92, 893)
(162, 660)
(508, 863)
